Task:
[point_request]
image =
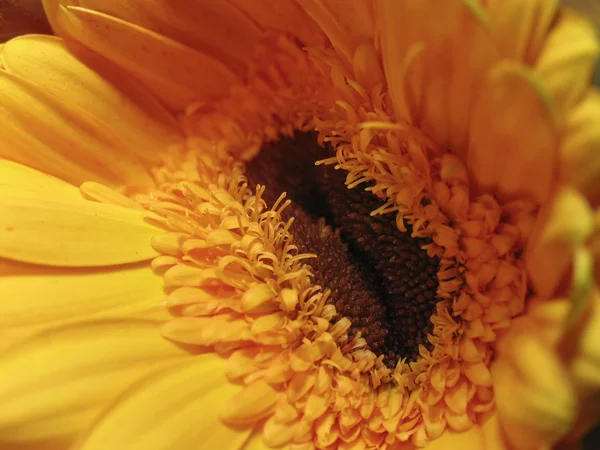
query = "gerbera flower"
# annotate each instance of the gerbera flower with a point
(430, 278)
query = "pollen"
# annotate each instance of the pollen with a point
(380, 278)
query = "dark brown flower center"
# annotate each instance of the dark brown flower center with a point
(380, 278)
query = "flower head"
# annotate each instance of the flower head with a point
(305, 224)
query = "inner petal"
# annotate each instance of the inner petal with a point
(380, 277)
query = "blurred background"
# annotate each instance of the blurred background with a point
(27, 16)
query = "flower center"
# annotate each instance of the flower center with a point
(379, 277)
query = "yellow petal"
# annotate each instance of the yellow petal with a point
(521, 27)
(579, 149)
(568, 60)
(57, 382)
(534, 396)
(177, 74)
(561, 226)
(585, 362)
(35, 298)
(131, 112)
(41, 131)
(176, 408)
(225, 32)
(513, 136)
(436, 66)
(283, 15)
(21, 177)
(71, 234)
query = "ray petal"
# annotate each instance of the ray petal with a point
(579, 149)
(568, 60)
(36, 298)
(345, 22)
(177, 74)
(41, 131)
(139, 119)
(176, 408)
(20, 177)
(37, 230)
(55, 383)
(513, 145)
(226, 33)
(283, 15)
(522, 27)
(436, 68)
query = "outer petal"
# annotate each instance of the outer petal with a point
(37, 230)
(579, 149)
(56, 383)
(218, 29)
(436, 65)
(521, 27)
(20, 177)
(177, 74)
(283, 15)
(41, 131)
(176, 408)
(131, 112)
(568, 60)
(563, 224)
(345, 22)
(534, 397)
(513, 145)
(35, 298)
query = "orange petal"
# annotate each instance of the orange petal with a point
(513, 136)
(283, 15)
(72, 234)
(436, 66)
(521, 27)
(177, 74)
(345, 22)
(42, 131)
(176, 408)
(131, 112)
(225, 34)
(56, 383)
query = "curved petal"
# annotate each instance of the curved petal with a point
(36, 298)
(345, 22)
(283, 15)
(568, 60)
(43, 132)
(534, 397)
(579, 148)
(225, 33)
(514, 137)
(436, 65)
(21, 177)
(176, 408)
(521, 27)
(37, 230)
(561, 226)
(177, 74)
(132, 113)
(56, 383)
